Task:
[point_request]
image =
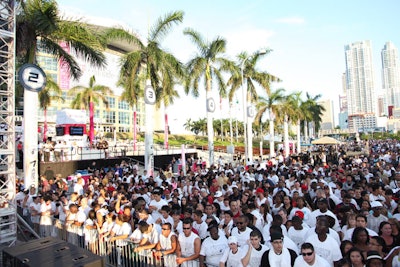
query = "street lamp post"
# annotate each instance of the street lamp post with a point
(248, 138)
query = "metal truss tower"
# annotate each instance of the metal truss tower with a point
(8, 209)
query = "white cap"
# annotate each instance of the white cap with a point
(232, 239)
(375, 204)
(218, 194)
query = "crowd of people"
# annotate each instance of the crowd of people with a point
(306, 210)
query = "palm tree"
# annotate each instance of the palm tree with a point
(246, 66)
(39, 24)
(312, 113)
(151, 64)
(188, 124)
(208, 64)
(269, 105)
(85, 97)
(286, 111)
(297, 116)
(49, 93)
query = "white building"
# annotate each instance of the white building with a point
(360, 86)
(391, 75)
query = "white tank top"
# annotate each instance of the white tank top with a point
(187, 244)
(165, 242)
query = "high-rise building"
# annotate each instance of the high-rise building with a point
(391, 75)
(327, 116)
(360, 87)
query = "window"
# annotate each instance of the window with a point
(111, 101)
(123, 105)
(123, 118)
(109, 116)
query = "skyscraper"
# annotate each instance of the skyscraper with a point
(391, 75)
(360, 88)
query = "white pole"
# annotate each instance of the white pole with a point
(31, 106)
(150, 99)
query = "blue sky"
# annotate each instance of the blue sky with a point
(307, 37)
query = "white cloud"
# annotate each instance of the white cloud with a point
(291, 20)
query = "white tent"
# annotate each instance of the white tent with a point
(326, 141)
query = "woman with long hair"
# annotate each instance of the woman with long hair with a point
(356, 257)
(287, 204)
(345, 246)
(360, 239)
(386, 232)
(265, 212)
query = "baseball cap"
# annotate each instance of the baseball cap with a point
(218, 194)
(260, 190)
(322, 200)
(232, 239)
(299, 214)
(372, 254)
(376, 204)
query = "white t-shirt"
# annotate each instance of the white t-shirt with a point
(156, 213)
(319, 262)
(298, 236)
(233, 260)
(329, 249)
(242, 237)
(256, 255)
(213, 250)
(201, 228)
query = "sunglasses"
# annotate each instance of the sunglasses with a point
(307, 254)
(188, 228)
(240, 223)
(165, 229)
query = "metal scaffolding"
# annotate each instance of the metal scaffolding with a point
(8, 209)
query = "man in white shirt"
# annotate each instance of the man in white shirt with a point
(213, 247)
(325, 246)
(308, 257)
(157, 203)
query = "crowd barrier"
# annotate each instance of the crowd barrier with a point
(115, 253)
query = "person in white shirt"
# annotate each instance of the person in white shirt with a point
(242, 232)
(233, 255)
(308, 257)
(322, 204)
(325, 246)
(167, 245)
(361, 221)
(157, 203)
(120, 232)
(213, 247)
(150, 238)
(199, 224)
(188, 246)
(255, 250)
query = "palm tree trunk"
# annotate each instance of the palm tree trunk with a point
(45, 125)
(166, 130)
(271, 139)
(134, 130)
(230, 122)
(286, 133)
(91, 122)
(298, 137)
(306, 131)
(210, 129)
